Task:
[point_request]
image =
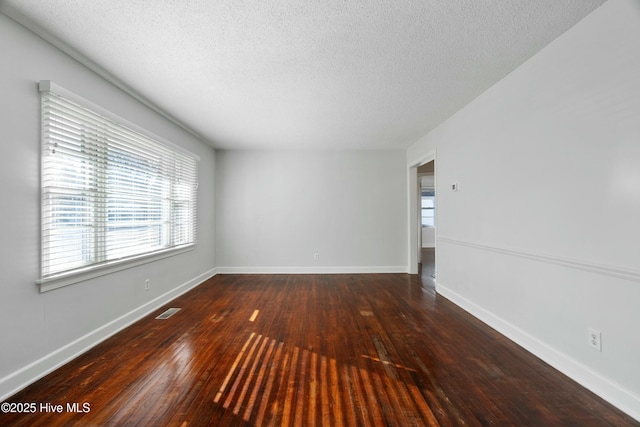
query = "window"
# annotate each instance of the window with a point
(109, 194)
(428, 207)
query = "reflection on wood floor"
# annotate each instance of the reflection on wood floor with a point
(352, 350)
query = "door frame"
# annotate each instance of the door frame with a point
(414, 218)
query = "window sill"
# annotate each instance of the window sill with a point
(91, 272)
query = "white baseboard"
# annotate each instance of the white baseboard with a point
(311, 270)
(18, 380)
(623, 399)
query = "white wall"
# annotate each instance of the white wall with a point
(428, 237)
(427, 181)
(41, 331)
(276, 209)
(542, 238)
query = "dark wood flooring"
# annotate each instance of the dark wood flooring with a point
(313, 350)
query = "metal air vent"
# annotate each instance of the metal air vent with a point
(168, 313)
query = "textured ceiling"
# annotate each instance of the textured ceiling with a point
(304, 74)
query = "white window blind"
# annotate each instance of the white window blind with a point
(109, 194)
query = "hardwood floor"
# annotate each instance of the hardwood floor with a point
(305, 350)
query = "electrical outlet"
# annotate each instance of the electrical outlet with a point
(146, 285)
(316, 257)
(595, 339)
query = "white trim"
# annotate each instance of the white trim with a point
(423, 159)
(413, 239)
(94, 271)
(613, 393)
(604, 269)
(311, 270)
(18, 380)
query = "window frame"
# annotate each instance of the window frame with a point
(427, 192)
(103, 267)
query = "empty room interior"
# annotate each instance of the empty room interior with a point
(366, 213)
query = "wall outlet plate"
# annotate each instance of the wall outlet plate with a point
(595, 339)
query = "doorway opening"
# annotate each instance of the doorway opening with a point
(427, 223)
(422, 174)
